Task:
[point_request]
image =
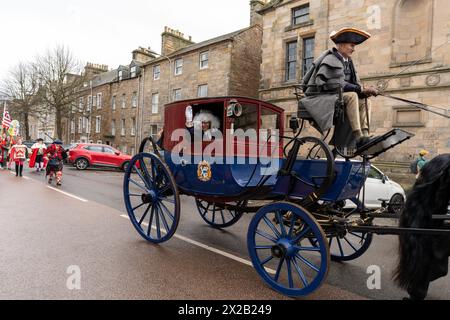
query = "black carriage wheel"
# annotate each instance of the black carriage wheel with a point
(320, 184)
(217, 216)
(151, 198)
(154, 147)
(347, 247)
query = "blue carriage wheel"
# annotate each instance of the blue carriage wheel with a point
(217, 216)
(349, 247)
(151, 198)
(279, 245)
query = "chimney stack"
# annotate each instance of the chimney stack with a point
(173, 40)
(143, 55)
(93, 69)
(255, 6)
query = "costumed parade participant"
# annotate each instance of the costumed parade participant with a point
(4, 150)
(18, 154)
(332, 70)
(37, 157)
(55, 154)
(204, 122)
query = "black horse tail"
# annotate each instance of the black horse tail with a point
(429, 196)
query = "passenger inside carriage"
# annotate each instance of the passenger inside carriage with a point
(204, 121)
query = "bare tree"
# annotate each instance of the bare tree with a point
(60, 76)
(22, 88)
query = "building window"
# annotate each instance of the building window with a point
(87, 121)
(133, 126)
(176, 94)
(98, 124)
(81, 104)
(113, 103)
(154, 131)
(124, 101)
(89, 104)
(178, 67)
(72, 126)
(134, 100)
(300, 15)
(202, 90)
(308, 54)
(204, 59)
(156, 72)
(123, 128)
(132, 152)
(99, 101)
(133, 71)
(94, 101)
(291, 60)
(80, 125)
(120, 75)
(113, 127)
(155, 102)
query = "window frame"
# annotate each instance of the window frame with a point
(201, 66)
(155, 106)
(288, 62)
(294, 18)
(157, 75)
(178, 67)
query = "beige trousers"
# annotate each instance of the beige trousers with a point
(357, 112)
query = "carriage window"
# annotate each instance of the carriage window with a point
(248, 118)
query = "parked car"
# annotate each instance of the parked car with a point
(379, 187)
(85, 155)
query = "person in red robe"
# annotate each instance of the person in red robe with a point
(18, 154)
(55, 154)
(37, 156)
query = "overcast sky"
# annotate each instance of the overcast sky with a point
(106, 31)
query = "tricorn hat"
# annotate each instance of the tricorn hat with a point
(58, 142)
(349, 35)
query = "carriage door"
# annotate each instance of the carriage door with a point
(244, 128)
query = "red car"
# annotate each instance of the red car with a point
(86, 155)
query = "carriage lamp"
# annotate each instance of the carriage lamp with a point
(293, 123)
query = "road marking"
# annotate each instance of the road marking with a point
(68, 194)
(26, 178)
(209, 248)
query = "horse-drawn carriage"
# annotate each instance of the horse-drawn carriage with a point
(296, 186)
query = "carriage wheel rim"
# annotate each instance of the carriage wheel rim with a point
(161, 219)
(220, 218)
(288, 241)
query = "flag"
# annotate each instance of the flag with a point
(6, 122)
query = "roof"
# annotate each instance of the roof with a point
(202, 44)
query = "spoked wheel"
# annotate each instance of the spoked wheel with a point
(151, 198)
(279, 246)
(216, 215)
(347, 247)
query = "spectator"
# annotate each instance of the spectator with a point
(421, 161)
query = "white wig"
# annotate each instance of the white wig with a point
(206, 116)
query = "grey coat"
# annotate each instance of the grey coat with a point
(320, 85)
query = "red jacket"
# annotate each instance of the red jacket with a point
(54, 151)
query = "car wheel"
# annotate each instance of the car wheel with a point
(396, 204)
(125, 165)
(81, 164)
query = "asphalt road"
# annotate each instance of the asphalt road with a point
(119, 264)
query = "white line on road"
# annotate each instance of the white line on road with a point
(26, 178)
(68, 194)
(204, 246)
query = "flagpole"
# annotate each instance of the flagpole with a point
(3, 116)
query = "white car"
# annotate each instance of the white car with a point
(379, 187)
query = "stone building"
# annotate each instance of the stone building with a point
(226, 65)
(408, 56)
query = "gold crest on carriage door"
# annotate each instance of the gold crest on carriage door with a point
(204, 171)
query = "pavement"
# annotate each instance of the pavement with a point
(57, 245)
